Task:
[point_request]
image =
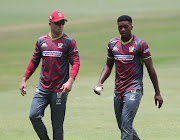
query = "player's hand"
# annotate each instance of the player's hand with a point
(67, 87)
(23, 87)
(98, 92)
(158, 98)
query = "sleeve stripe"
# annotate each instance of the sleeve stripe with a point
(146, 58)
(110, 57)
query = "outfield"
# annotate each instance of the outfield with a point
(88, 116)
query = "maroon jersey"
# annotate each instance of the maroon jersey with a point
(56, 55)
(128, 58)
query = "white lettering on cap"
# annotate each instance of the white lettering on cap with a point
(59, 14)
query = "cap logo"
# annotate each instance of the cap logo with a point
(59, 14)
(50, 17)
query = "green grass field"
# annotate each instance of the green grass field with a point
(92, 24)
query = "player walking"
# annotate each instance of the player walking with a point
(128, 53)
(56, 50)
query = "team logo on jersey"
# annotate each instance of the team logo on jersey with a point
(124, 57)
(52, 53)
(60, 45)
(131, 49)
(44, 45)
(115, 49)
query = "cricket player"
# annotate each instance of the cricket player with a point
(56, 50)
(128, 52)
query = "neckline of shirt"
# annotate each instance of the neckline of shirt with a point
(56, 37)
(124, 43)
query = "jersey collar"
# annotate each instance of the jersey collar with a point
(56, 37)
(124, 43)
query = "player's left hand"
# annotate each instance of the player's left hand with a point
(159, 99)
(66, 87)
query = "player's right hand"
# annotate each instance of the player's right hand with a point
(98, 85)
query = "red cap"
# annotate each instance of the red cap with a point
(56, 16)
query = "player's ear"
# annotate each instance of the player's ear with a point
(49, 23)
(131, 27)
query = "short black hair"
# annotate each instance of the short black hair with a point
(124, 18)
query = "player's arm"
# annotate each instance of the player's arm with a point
(153, 76)
(75, 63)
(67, 87)
(33, 64)
(105, 73)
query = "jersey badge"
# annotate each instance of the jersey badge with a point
(131, 49)
(60, 45)
(115, 49)
(44, 45)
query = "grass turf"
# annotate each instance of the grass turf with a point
(90, 116)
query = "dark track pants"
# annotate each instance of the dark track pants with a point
(57, 103)
(126, 106)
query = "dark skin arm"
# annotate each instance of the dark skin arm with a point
(105, 74)
(153, 76)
